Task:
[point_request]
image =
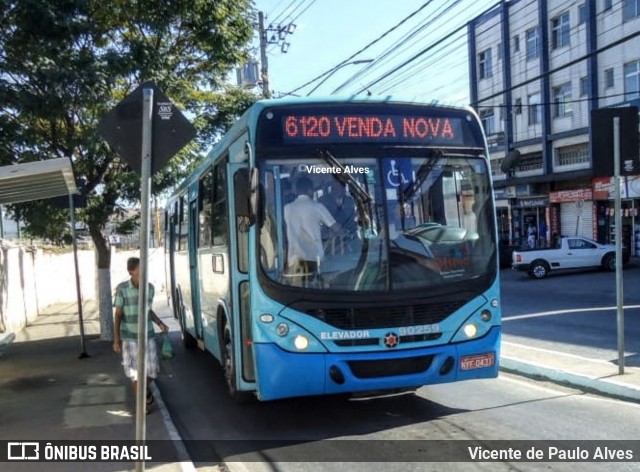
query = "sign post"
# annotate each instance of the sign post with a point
(618, 223)
(143, 300)
(146, 130)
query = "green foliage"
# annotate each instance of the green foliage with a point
(65, 63)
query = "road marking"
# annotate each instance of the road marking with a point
(185, 463)
(565, 312)
(556, 353)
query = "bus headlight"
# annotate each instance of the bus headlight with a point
(301, 342)
(485, 315)
(470, 330)
(282, 329)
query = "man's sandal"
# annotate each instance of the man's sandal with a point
(150, 402)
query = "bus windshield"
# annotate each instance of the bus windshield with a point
(417, 220)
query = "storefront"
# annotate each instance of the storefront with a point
(575, 212)
(604, 195)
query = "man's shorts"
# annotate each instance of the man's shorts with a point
(130, 359)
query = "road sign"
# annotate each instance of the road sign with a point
(602, 141)
(122, 128)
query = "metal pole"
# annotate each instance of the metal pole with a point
(72, 212)
(143, 302)
(618, 223)
(264, 66)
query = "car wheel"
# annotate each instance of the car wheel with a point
(609, 262)
(539, 270)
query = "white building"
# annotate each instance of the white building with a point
(537, 70)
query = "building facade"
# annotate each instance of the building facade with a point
(537, 70)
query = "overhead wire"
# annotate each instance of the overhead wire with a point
(385, 56)
(378, 39)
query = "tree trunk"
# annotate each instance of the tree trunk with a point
(105, 307)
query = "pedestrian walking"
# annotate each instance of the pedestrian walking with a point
(126, 329)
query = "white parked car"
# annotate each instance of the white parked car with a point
(573, 253)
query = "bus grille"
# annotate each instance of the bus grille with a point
(386, 317)
(390, 367)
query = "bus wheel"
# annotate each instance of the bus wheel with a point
(229, 367)
(188, 341)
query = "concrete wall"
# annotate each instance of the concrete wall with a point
(31, 280)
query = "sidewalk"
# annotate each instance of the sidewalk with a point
(48, 393)
(591, 375)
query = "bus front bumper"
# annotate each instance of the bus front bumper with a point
(282, 374)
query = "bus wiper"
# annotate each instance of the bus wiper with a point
(344, 177)
(423, 172)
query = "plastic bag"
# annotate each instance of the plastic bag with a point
(167, 348)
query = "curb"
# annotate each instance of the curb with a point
(582, 382)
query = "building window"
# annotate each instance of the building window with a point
(607, 4)
(488, 121)
(516, 43)
(630, 9)
(499, 51)
(584, 86)
(535, 112)
(577, 154)
(560, 31)
(632, 80)
(561, 100)
(485, 64)
(533, 45)
(517, 109)
(582, 14)
(608, 78)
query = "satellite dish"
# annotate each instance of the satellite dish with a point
(510, 161)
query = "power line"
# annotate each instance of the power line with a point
(386, 33)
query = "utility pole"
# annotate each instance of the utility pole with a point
(264, 67)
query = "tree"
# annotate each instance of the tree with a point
(65, 63)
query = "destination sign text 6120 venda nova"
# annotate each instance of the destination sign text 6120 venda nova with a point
(410, 129)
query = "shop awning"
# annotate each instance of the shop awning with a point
(36, 180)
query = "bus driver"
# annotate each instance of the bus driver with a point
(303, 217)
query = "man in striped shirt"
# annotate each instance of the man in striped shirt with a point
(126, 328)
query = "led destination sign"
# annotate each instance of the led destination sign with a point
(408, 129)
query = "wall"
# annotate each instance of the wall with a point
(31, 280)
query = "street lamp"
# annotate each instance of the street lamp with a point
(330, 72)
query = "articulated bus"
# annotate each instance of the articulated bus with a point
(409, 297)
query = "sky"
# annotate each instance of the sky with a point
(330, 32)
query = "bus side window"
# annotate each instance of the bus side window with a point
(206, 209)
(220, 211)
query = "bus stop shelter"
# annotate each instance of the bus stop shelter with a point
(39, 180)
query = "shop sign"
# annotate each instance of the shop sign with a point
(563, 196)
(533, 202)
(500, 194)
(604, 189)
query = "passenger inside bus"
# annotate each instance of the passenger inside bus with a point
(343, 209)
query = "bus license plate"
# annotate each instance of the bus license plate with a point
(478, 361)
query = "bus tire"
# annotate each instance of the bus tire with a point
(188, 341)
(229, 367)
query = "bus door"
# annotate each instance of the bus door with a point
(193, 266)
(239, 261)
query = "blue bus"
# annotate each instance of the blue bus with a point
(403, 288)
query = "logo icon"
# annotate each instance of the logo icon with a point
(23, 451)
(391, 340)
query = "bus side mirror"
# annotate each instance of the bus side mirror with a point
(246, 202)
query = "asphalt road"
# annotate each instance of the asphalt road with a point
(573, 312)
(507, 408)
